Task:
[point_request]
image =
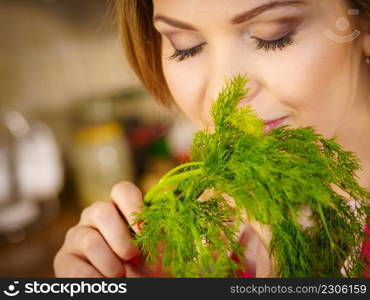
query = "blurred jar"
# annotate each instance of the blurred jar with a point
(31, 174)
(100, 155)
(180, 138)
(7, 177)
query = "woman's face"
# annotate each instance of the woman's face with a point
(303, 61)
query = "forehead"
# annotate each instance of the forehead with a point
(208, 14)
(213, 8)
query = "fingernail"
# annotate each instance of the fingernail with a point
(134, 261)
(234, 257)
(139, 224)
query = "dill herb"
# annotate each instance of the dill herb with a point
(270, 176)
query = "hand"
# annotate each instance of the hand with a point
(100, 245)
(257, 238)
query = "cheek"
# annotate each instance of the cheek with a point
(186, 83)
(316, 82)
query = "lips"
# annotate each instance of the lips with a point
(269, 125)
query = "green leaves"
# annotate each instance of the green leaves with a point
(270, 176)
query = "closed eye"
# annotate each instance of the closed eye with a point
(280, 43)
(181, 55)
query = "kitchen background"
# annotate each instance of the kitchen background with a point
(74, 120)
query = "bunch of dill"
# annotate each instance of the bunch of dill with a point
(271, 177)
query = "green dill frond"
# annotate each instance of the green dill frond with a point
(246, 120)
(270, 176)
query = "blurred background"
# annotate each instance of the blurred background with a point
(74, 120)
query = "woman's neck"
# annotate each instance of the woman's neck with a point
(354, 135)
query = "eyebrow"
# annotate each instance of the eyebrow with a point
(240, 18)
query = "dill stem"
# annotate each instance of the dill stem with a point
(199, 244)
(169, 180)
(332, 245)
(174, 170)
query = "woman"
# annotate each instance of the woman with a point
(308, 65)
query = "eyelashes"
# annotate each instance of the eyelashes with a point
(274, 45)
(181, 55)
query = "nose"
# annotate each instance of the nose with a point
(217, 83)
(226, 61)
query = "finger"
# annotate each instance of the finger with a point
(263, 232)
(305, 217)
(128, 199)
(251, 240)
(104, 217)
(76, 267)
(87, 242)
(149, 271)
(263, 266)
